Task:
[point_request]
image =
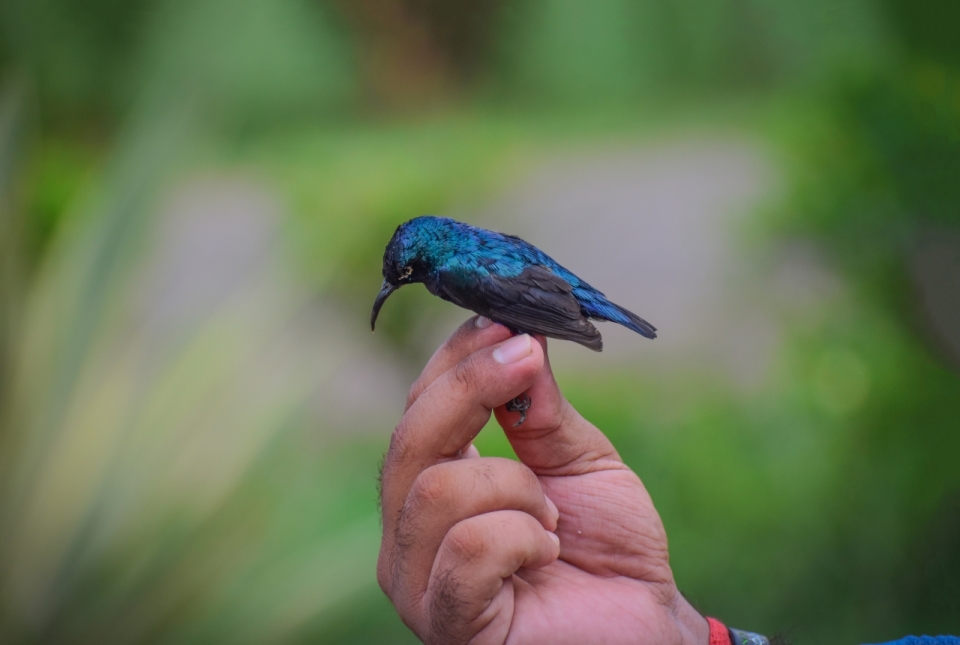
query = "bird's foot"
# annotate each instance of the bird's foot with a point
(519, 404)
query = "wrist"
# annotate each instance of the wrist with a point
(694, 628)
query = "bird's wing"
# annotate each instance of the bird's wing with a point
(536, 301)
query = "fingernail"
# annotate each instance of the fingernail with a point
(554, 537)
(483, 322)
(554, 511)
(515, 349)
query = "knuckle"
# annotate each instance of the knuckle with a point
(527, 478)
(458, 341)
(558, 416)
(398, 444)
(488, 478)
(466, 541)
(415, 391)
(516, 477)
(446, 608)
(384, 577)
(463, 372)
(431, 486)
(534, 490)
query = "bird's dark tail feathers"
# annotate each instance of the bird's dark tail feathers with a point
(615, 313)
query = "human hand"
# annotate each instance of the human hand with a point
(470, 551)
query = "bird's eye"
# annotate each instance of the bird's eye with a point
(406, 272)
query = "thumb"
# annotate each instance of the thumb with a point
(555, 440)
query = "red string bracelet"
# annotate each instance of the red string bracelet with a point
(719, 634)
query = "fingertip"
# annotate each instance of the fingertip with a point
(520, 355)
(482, 327)
(552, 552)
(553, 514)
(538, 353)
(542, 349)
(545, 550)
(555, 539)
(513, 350)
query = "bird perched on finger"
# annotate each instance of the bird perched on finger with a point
(501, 277)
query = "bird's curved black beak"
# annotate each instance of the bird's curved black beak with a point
(385, 290)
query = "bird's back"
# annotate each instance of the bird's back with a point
(511, 281)
(508, 254)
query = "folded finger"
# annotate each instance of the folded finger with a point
(476, 559)
(447, 493)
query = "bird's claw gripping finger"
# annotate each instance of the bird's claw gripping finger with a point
(519, 404)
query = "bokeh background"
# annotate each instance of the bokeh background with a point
(194, 199)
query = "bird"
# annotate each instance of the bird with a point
(503, 278)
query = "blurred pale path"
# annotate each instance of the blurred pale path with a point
(219, 239)
(662, 230)
(935, 268)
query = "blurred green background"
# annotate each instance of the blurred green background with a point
(194, 199)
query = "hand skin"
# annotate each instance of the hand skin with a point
(470, 551)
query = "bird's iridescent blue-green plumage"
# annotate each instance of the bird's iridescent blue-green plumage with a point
(501, 277)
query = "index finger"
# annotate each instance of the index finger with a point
(441, 422)
(473, 335)
(450, 413)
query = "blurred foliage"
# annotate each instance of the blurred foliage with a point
(826, 487)
(89, 62)
(171, 482)
(926, 28)
(878, 175)
(894, 153)
(618, 50)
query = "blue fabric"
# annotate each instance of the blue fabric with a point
(926, 640)
(740, 637)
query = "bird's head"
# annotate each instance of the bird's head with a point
(409, 257)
